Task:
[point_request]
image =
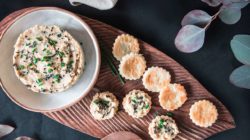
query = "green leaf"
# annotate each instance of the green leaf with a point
(230, 14)
(196, 17)
(240, 77)
(240, 45)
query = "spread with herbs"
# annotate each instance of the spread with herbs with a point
(47, 59)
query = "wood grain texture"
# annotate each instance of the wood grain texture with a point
(78, 116)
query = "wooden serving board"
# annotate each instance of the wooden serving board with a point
(79, 118)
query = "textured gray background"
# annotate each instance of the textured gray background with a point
(156, 22)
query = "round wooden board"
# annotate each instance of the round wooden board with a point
(78, 116)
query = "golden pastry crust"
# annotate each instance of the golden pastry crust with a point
(137, 103)
(155, 79)
(172, 97)
(125, 44)
(104, 106)
(203, 113)
(132, 66)
(163, 128)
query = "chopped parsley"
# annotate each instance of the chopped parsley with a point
(52, 42)
(39, 82)
(35, 60)
(34, 44)
(34, 50)
(46, 58)
(134, 100)
(161, 123)
(30, 64)
(49, 65)
(101, 102)
(61, 54)
(147, 106)
(50, 70)
(20, 67)
(39, 38)
(62, 64)
(56, 78)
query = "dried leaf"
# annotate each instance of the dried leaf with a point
(212, 3)
(196, 17)
(5, 130)
(240, 45)
(24, 138)
(230, 15)
(190, 38)
(240, 77)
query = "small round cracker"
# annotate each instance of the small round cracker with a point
(104, 106)
(125, 44)
(172, 97)
(203, 113)
(137, 103)
(132, 66)
(163, 128)
(155, 79)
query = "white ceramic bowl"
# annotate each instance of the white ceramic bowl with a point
(37, 102)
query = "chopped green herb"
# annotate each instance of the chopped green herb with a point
(48, 52)
(50, 70)
(30, 64)
(57, 78)
(34, 50)
(34, 44)
(39, 82)
(101, 102)
(44, 50)
(52, 42)
(61, 54)
(39, 38)
(62, 64)
(50, 64)
(20, 67)
(35, 60)
(46, 58)
(147, 106)
(161, 123)
(59, 35)
(134, 100)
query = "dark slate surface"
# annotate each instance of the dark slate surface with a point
(156, 22)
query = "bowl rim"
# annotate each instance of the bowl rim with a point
(98, 54)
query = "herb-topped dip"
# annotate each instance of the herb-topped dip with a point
(163, 128)
(137, 103)
(104, 106)
(47, 59)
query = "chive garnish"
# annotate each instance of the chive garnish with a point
(161, 123)
(169, 114)
(50, 70)
(62, 64)
(147, 106)
(61, 54)
(39, 82)
(35, 60)
(20, 67)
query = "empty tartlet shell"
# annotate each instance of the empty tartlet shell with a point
(156, 78)
(127, 108)
(162, 136)
(172, 97)
(132, 66)
(203, 113)
(123, 45)
(114, 105)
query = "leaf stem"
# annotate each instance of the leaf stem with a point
(213, 18)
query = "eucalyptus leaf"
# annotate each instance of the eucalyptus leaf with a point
(230, 15)
(240, 45)
(240, 77)
(5, 130)
(196, 17)
(212, 3)
(24, 138)
(190, 38)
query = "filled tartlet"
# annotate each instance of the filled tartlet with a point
(47, 59)
(163, 128)
(137, 103)
(104, 106)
